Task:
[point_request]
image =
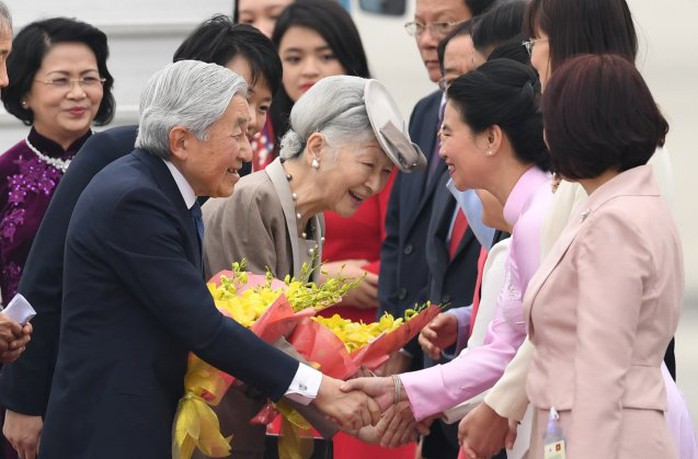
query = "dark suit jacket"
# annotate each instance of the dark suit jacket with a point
(450, 281)
(403, 272)
(134, 305)
(25, 384)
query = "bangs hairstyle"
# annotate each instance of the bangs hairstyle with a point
(333, 24)
(617, 128)
(505, 93)
(582, 27)
(28, 51)
(218, 40)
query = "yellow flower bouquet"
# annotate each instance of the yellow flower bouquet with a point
(271, 308)
(339, 347)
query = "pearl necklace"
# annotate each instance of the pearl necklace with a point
(60, 164)
(294, 196)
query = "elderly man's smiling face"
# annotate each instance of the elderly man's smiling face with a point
(211, 166)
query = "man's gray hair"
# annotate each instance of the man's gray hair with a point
(5, 19)
(190, 94)
(334, 106)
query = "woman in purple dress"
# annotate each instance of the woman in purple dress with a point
(59, 85)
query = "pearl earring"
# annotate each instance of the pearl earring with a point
(315, 164)
(24, 103)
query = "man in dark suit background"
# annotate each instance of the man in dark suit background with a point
(134, 300)
(404, 275)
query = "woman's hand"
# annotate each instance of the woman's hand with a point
(365, 295)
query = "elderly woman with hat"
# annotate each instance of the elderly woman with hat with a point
(345, 136)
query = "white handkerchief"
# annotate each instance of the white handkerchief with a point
(19, 310)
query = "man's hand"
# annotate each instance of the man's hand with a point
(440, 333)
(365, 295)
(482, 432)
(23, 432)
(398, 426)
(382, 390)
(351, 410)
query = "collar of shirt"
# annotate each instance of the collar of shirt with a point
(185, 189)
(472, 207)
(527, 184)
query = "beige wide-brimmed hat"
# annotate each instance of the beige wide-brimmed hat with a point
(390, 128)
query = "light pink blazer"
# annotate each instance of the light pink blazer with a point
(601, 311)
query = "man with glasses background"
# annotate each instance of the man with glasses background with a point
(404, 276)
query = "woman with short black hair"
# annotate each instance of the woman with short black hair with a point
(60, 86)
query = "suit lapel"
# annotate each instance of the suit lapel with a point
(634, 182)
(468, 239)
(426, 196)
(549, 264)
(442, 213)
(420, 190)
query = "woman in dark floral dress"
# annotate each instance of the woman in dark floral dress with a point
(59, 85)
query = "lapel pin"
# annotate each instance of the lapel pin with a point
(585, 214)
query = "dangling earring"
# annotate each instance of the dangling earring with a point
(315, 164)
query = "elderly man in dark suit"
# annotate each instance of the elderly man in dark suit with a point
(25, 384)
(135, 302)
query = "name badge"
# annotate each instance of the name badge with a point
(554, 438)
(554, 450)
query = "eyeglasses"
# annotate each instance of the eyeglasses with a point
(86, 82)
(528, 44)
(438, 29)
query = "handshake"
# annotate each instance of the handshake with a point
(374, 409)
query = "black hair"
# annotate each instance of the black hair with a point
(218, 40)
(478, 7)
(334, 24)
(464, 28)
(501, 23)
(29, 48)
(505, 93)
(581, 27)
(511, 49)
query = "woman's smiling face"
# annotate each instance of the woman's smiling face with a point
(353, 172)
(463, 150)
